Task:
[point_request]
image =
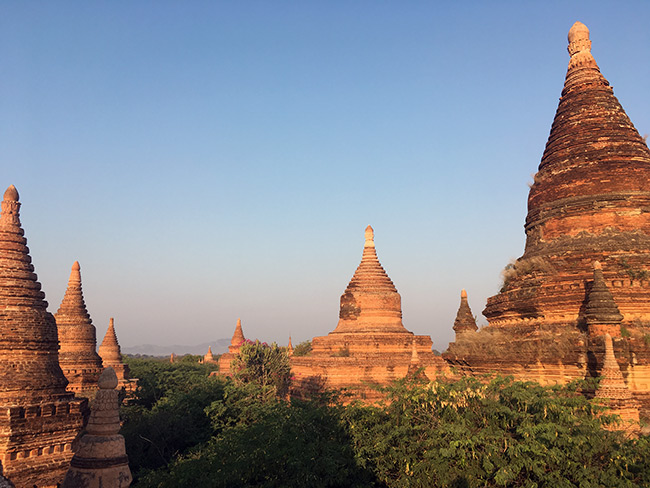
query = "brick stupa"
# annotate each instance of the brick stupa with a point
(209, 357)
(588, 203)
(77, 337)
(370, 345)
(100, 460)
(39, 419)
(111, 355)
(614, 393)
(233, 349)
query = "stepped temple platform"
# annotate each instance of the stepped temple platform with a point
(590, 201)
(370, 345)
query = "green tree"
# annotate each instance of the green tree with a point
(284, 444)
(504, 433)
(264, 364)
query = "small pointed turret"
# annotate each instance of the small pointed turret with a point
(109, 350)
(415, 367)
(233, 349)
(290, 347)
(100, 459)
(208, 357)
(237, 338)
(77, 337)
(614, 392)
(601, 312)
(465, 321)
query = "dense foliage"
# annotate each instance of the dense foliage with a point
(302, 349)
(267, 365)
(188, 429)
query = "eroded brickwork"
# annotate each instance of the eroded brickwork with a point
(589, 202)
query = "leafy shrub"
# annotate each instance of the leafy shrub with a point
(302, 349)
(264, 364)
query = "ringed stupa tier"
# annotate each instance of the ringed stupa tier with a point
(111, 355)
(370, 345)
(588, 203)
(39, 419)
(77, 337)
(585, 271)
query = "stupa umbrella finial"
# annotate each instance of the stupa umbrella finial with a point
(370, 237)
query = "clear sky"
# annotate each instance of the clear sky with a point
(212, 160)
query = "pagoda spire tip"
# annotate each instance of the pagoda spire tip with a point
(11, 194)
(370, 237)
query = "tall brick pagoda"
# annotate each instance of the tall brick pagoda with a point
(589, 202)
(77, 337)
(233, 349)
(39, 419)
(111, 355)
(370, 345)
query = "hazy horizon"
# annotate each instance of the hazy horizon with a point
(205, 161)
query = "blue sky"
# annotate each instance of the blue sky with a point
(212, 160)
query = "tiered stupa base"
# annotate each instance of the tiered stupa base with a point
(358, 363)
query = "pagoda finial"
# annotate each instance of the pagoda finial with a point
(370, 237)
(11, 194)
(579, 39)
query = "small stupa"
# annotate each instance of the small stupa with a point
(77, 337)
(39, 419)
(209, 357)
(465, 322)
(233, 349)
(100, 459)
(614, 392)
(290, 347)
(111, 355)
(602, 315)
(370, 345)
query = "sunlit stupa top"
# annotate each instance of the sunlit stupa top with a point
(29, 367)
(371, 301)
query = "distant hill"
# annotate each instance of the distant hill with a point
(218, 347)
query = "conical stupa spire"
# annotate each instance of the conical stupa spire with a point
(587, 202)
(237, 338)
(601, 309)
(111, 355)
(29, 364)
(37, 411)
(465, 321)
(109, 349)
(290, 347)
(208, 357)
(77, 356)
(370, 302)
(612, 385)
